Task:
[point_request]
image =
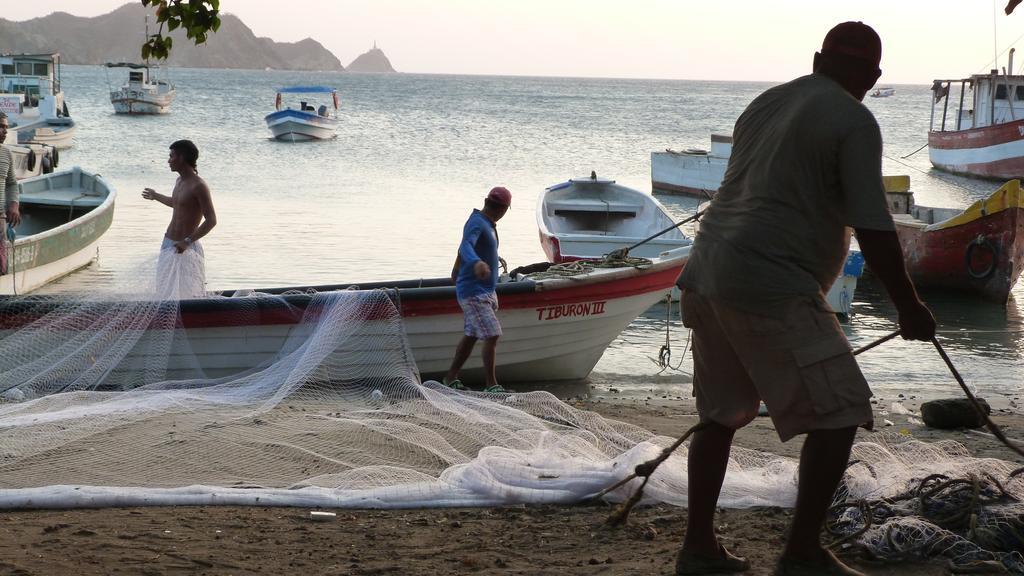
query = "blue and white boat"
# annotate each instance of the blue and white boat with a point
(305, 121)
(31, 96)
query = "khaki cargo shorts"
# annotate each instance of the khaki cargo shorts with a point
(796, 360)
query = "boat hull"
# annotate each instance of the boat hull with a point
(553, 329)
(979, 252)
(43, 257)
(56, 132)
(688, 174)
(296, 126)
(994, 152)
(141, 102)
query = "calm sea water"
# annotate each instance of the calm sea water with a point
(415, 153)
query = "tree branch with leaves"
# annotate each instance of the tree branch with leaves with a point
(199, 19)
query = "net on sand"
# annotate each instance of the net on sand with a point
(106, 400)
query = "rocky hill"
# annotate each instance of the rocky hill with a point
(373, 60)
(118, 36)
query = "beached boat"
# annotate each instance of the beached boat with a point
(979, 134)
(590, 217)
(694, 171)
(883, 92)
(31, 96)
(306, 122)
(979, 250)
(554, 328)
(63, 215)
(142, 94)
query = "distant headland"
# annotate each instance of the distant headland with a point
(107, 38)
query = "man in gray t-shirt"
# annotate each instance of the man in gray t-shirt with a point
(805, 171)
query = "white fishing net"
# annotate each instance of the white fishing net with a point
(108, 399)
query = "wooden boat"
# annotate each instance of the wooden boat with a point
(980, 134)
(63, 215)
(31, 96)
(694, 171)
(554, 329)
(141, 94)
(883, 92)
(590, 217)
(306, 122)
(979, 250)
(30, 159)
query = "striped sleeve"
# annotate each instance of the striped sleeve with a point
(9, 190)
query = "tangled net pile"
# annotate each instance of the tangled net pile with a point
(104, 401)
(912, 500)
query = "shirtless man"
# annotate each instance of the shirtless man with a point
(192, 217)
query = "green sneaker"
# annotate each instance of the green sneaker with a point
(455, 384)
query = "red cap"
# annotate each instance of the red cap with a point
(501, 195)
(855, 39)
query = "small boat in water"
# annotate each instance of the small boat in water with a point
(31, 96)
(63, 215)
(555, 328)
(694, 171)
(883, 92)
(590, 217)
(979, 134)
(306, 121)
(979, 250)
(141, 94)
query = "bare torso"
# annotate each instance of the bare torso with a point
(187, 211)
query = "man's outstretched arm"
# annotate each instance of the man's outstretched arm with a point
(150, 194)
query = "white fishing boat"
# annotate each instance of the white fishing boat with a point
(63, 215)
(554, 328)
(590, 217)
(978, 133)
(694, 171)
(31, 96)
(30, 159)
(306, 121)
(142, 94)
(883, 92)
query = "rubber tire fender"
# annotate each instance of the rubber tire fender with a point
(969, 254)
(31, 160)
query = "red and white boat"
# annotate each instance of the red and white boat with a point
(554, 328)
(979, 250)
(981, 133)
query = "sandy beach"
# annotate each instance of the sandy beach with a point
(514, 540)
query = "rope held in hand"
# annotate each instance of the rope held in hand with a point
(620, 515)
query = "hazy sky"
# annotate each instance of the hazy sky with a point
(686, 39)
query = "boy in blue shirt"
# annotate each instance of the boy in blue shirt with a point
(476, 275)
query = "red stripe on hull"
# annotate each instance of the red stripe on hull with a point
(977, 137)
(939, 258)
(1006, 169)
(233, 314)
